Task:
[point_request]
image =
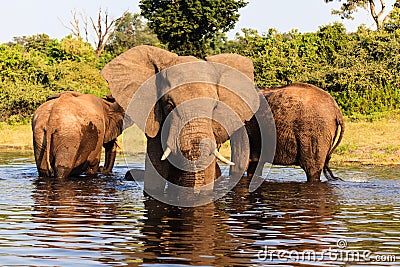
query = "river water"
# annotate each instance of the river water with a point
(106, 221)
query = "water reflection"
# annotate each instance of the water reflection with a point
(231, 231)
(106, 221)
(92, 215)
(283, 216)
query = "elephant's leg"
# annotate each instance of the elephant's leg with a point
(156, 170)
(41, 163)
(218, 172)
(111, 153)
(254, 168)
(174, 175)
(313, 175)
(93, 166)
(44, 173)
(62, 172)
(40, 151)
(312, 154)
(63, 163)
(239, 153)
(67, 157)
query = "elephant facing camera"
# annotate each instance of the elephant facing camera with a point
(187, 108)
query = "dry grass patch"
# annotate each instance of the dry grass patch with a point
(370, 142)
(16, 137)
(374, 142)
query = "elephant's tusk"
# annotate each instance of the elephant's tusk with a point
(221, 158)
(167, 152)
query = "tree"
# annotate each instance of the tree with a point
(393, 23)
(103, 26)
(379, 14)
(36, 42)
(189, 26)
(130, 31)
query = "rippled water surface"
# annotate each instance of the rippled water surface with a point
(106, 221)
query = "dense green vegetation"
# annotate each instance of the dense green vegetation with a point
(40, 67)
(36, 67)
(360, 69)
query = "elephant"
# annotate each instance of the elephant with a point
(69, 130)
(308, 121)
(183, 103)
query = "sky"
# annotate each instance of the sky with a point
(29, 17)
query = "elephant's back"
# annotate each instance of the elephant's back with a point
(77, 124)
(78, 111)
(41, 115)
(77, 121)
(300, 111)
(301, 99)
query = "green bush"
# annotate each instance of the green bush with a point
(29, 76)
(360, 70)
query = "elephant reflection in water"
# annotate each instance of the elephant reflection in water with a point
(62, 201)
(290, 211)
(195, 236)
(228, 232)
(82, 214)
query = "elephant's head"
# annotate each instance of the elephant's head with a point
(114, 118)
(191, 106)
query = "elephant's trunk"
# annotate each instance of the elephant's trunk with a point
(196, 143)
(196, 140)
(193, 179)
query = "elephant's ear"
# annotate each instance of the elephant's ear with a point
(236, 84)
(114, 117)
(127, 72)
(238, 62)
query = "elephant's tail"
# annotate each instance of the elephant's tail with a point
(48, 145)
(336, 141)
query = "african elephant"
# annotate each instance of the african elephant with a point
(308, 121)
(184, 108)
(69, 130)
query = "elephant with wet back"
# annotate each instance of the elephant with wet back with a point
(184, 108)
(69, 131)
(309, 126)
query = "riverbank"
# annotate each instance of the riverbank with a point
(15, 137)
(367, 141)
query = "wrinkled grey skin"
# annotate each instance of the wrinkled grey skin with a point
(308, 121)
(128, 72)
(69, 131)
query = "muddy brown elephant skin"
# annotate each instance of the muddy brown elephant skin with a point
(69, 131)
(309, 126)
(126, 75)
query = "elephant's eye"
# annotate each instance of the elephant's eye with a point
(169, 106)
